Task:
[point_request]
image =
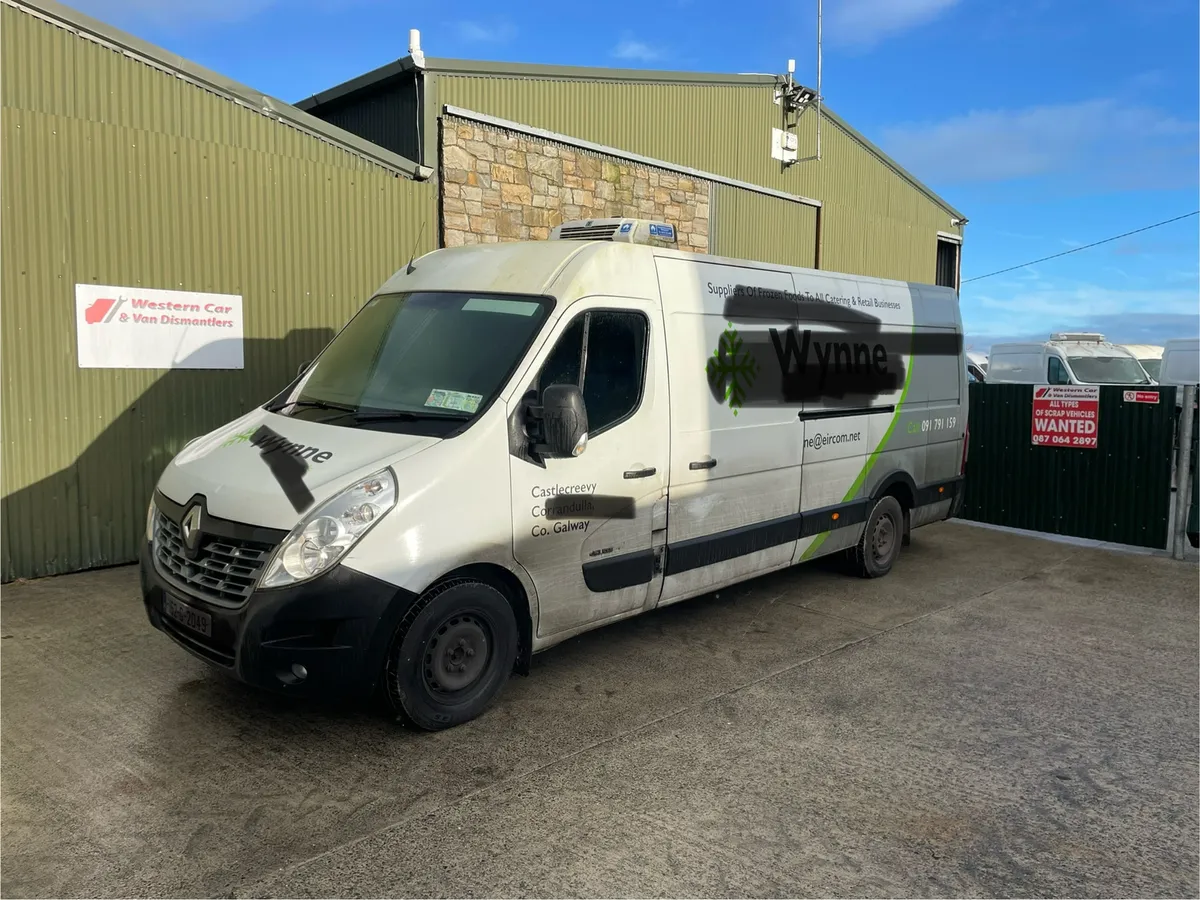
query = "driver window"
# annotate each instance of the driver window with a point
(604, 353)
(1057, 372)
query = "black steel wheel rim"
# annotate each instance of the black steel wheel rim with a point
(883, 538)
(457, 654)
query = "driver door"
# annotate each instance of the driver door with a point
(590, 529)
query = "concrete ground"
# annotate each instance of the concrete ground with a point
(999, 716)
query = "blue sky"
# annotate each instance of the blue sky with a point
(1049, 123)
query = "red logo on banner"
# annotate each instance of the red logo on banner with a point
(1066, 415)
(97, 311)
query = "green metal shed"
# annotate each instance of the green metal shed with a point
(856, 210)
(126, 165)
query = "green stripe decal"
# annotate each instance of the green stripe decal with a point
(870, 464)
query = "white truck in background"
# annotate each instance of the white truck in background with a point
(1149, 355)
(1180, 362)
(1067, 358)
(977, 365)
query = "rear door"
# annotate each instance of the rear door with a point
(589, 530)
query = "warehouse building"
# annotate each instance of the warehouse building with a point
(129, 171)
(519, 148)
(127, 166)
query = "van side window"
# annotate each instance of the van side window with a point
(1057, 373)
(610, 349)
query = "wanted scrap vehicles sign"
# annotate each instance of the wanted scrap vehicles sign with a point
(1066, 415)
(141, 328)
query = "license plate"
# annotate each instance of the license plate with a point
(187, 616)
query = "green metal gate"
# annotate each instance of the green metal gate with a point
(1119, 491)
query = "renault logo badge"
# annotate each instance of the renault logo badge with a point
(191, 528)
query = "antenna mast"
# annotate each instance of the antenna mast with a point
(818, 80)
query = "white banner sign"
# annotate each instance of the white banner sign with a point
(139, 328)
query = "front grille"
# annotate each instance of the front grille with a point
(224, 570)
(588, 232)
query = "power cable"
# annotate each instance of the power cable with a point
(1084, 247)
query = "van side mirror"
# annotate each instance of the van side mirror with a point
(561, 426)
(303, 368)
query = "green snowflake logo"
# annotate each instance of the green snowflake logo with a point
(242, 438)
(731, 368)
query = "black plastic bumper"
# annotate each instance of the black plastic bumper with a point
(326, 638)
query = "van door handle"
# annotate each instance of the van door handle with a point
(704, 464)
(640, 473)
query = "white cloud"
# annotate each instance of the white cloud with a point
(864, 23)
(636, 50)
(487, 32)
(1103, 142)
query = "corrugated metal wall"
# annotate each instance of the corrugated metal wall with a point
(747, 225)
(119, 173)
(388, 115)
(875, 222)
(1119, 491)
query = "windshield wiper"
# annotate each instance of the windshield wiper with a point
(405, 416)
(315, 404)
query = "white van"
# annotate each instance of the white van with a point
(1148, 355)
(1180, 362)
(511, 444)
(1067, 358)
(977, 364)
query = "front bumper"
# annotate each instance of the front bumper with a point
(327, 637)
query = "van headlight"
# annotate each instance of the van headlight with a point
(329, 531)
(151, 513)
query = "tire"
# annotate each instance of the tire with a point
(880, 543)
(452, 654)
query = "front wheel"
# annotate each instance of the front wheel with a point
(452, 654)
(880, 543)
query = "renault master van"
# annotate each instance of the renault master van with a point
(1067, 358)
(511, 444)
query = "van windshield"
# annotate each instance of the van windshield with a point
(1107, 370)
(1152, 366)
(421, 362)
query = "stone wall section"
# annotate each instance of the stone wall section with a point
(506, 186)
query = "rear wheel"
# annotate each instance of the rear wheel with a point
(880, 543)
(452, 654)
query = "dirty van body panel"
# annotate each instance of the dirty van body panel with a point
(238, 467)
(735, 480)
(584, 528)
(818, 406)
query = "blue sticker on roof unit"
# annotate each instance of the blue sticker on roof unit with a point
(628, 226)
(663, 231)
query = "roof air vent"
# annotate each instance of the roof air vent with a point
(620, 231)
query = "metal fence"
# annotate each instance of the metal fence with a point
(1118, 491)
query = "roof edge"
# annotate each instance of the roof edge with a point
(891, 163)
(447, 66)
(72, 20)
(354, 85)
